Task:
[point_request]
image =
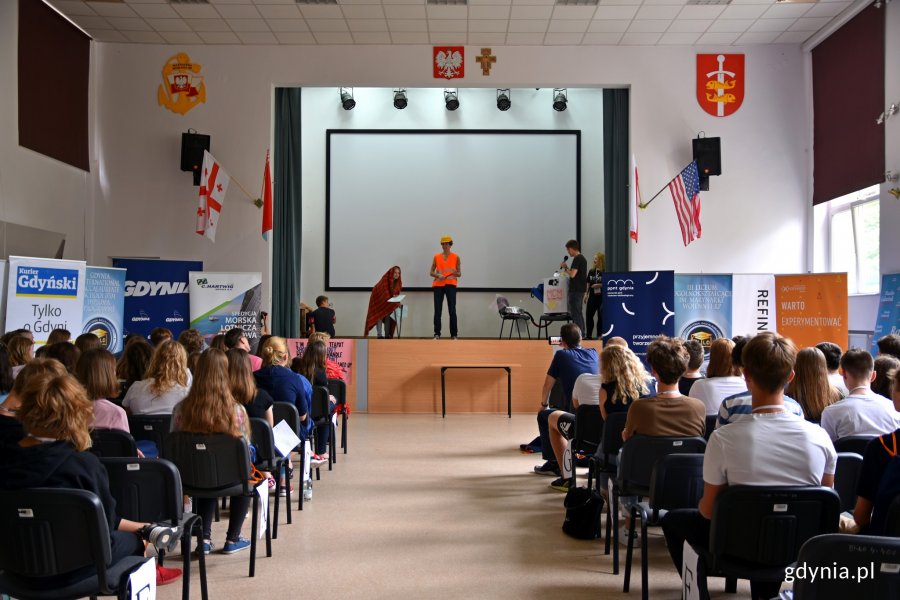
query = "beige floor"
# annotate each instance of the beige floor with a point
(424, 507)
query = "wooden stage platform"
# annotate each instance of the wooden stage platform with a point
(404, 375)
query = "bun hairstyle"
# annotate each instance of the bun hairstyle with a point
(57, 406)
(275, 352)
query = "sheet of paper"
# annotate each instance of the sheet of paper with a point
(262, 490)
(143, 581)
(397, 298)
(285, 438)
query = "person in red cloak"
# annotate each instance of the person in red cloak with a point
(380, 310)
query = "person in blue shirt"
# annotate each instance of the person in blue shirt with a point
(283, 384)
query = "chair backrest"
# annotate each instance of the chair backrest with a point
(862, 556)
(154, 428)
(112, 442)
(502, 303)
(210, 464)
(264, 440)
(319, 407)
(285, 411)
(611, 441)
(710, 426)
(676, 482)
(846, 477)
(892, 522)
(49, 532)
(853, 443)
(766, 526)
(338, 389)
(588, 428)
(147, 490)
(641, 453)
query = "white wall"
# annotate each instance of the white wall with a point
(754, 217)
(35, 190)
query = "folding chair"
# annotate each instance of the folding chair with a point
(287, 412)
(320, 413)
(604, 465)
(112, 442)
(338, 389)
(150, 428)
(267, 459)
(871, 560)
(846, 478)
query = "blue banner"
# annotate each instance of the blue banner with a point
(104, 305)
(156, 294)
(888, 319)
(637, 306)
(703, 308)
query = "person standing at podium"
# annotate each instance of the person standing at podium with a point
(577, 273)
(446, 268)
(380, 310)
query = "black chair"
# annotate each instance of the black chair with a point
(287, 412)
(588, 432)
(148, 490)
(267, 459)
(321, 416)
(676, 482)
(892, 521)
(112, 442)
(639, 455)
(152, 428)
(757, 532)
(604, 465)
(853, 443)
(338, 389)
(710, 426)
(846, 478)
(53, 532)
(216, 466)
(857, 553)
(514, 315)
(545, 319)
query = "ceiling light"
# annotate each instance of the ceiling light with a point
(503, 99)
(347, 101)
(451, 99)
(559, 99)
(400, 100)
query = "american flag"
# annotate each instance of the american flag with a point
(685, 190)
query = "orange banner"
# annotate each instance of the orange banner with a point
(339, 350)
(812, 308)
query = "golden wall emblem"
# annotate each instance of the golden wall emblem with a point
(182, 88)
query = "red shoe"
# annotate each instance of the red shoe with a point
(166, 575)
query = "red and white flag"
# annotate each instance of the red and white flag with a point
(267, 200)
(685, 190)
(213, 186)
(635, 201)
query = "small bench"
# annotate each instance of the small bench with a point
(506, 367)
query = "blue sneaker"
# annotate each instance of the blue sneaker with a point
(206, 547)
(235, 546)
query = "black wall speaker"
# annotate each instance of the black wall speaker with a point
(707, 153)
(192, 147)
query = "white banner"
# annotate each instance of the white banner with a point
(753, 304)
(45, 294)
(223, 301)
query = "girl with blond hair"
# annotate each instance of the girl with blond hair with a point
(623, 379)
(165, 384)
(283, 384)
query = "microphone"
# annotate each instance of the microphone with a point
(566, 258)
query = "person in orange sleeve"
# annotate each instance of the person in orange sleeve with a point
(446, 268)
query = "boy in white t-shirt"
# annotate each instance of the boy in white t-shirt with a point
(561, 425)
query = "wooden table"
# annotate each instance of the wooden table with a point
(505, 367)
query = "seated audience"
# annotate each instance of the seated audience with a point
(889, 345)
(192, 340)
(65, 353)
(218, 342)
(895, 389)
(166, 383)
(312, 366)
(9, 335)
(562, 425)
(87, 341)
(283, 384)
(884, 364)
(771, 447)
(159, 334)
(56, 415)
(6, 376)
(235, 338)
(96, 371)
(723, 377)
(10, 427)
(862, 412)
(810, 385)
(693, 374)
(256, 401)
(262, 342)
(133, 362)
(833, 354)
(59, 335)
(332, 369)
(20, 352)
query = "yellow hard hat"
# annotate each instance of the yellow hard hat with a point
(446, 240)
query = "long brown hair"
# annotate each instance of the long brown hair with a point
(720, 363)
(168, 367)
(240, 376)
(209, 407)
(57, 406)
(19, 350)
(96, 370)
(313, 358)
(810, 386)
(134, 360)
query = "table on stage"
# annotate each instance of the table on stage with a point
(506, 366)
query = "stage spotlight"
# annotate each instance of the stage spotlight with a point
(503, 99)
(451, 99)
(400, 100)
(347, 101)
(559, 99)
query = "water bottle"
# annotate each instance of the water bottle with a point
(307, 490)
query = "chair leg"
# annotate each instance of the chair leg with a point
(629, 553)
(302, 473)
(201, 560)
(254, 520)
(645, 576)
(344, 430)
(502, 322)
(615, 528)
(277, 501)
(731, 585)
(287, 492)
(268, 528)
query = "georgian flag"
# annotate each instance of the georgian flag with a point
(635, 204)
(213, 186)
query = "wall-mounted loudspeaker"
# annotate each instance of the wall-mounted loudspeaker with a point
(707, 153)
(192, 146)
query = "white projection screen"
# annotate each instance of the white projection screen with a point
(509, 198)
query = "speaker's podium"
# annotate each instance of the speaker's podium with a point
(398, 312)
(556, 307)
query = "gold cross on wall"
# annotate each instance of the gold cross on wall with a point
(486, 60)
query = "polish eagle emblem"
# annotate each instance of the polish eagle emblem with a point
(448, 62)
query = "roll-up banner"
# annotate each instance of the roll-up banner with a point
(44, 294)
(223, 301)
(888, 319)
(156, 294)
(703, 308)
(638, 306)
(753, 307)
(104, 305)
(4, 267)
(340, 351)
(812, 308)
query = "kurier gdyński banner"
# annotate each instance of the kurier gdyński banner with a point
(703, 308)
(104, 305)
(637, 306)
(888, 319)
(812, 308)
(753, 307)
(44, 294)
(156, 293)
(223, 301)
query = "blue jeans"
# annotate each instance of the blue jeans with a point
(450, 292)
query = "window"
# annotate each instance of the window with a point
(854, 230)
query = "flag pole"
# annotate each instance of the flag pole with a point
(647, 203)
(246, 193)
